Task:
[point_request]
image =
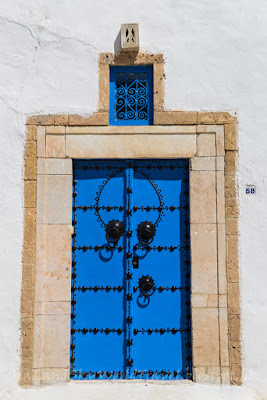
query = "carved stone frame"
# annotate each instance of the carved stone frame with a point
(209, 140)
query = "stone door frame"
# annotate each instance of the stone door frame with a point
(209, 140)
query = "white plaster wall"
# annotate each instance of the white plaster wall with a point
(216, 59)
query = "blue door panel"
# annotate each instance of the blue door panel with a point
(94, 309)
(100, 267)
(161, 353)
(131, 294)
(99, 352)
(159, 311)
(85, 236)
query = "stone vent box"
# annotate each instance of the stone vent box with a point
(129, 37)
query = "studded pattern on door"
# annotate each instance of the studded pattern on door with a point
(130, 270)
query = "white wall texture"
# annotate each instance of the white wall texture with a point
(216, 59)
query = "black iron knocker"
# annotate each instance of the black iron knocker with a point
(114, 230)
(146, 232)
(146, 285)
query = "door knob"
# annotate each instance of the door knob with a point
(146, 285)
(114, 230)
(146, 232)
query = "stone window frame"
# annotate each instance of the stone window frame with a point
(209, 140)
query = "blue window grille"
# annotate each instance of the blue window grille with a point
(131, 95)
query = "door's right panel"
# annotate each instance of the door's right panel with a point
(161, 321)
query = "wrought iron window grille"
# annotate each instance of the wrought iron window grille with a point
(131, 95)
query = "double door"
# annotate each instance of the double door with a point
(130, 270)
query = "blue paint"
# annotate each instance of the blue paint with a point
(131, 95)
(111, 337)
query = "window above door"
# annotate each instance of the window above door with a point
(131, 95)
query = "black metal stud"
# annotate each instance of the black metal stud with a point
(130, 362)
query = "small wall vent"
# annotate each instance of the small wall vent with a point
(129, 37)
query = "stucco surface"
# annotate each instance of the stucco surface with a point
(216, 59)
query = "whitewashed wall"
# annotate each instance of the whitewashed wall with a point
(216, 59)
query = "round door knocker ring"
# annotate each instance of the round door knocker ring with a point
(146, 232)
(147, 286)
(114, 230)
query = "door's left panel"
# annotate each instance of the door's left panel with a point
(97, 319)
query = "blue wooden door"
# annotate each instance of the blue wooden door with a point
(130, 270)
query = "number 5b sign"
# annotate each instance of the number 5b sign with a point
(250, 189)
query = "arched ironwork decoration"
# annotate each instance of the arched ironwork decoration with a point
(112, 175)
